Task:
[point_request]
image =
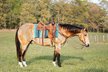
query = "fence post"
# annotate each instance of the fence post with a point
(95, 38)
(103, 38)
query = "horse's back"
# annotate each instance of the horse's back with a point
(26, 26)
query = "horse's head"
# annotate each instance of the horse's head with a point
(83, 36)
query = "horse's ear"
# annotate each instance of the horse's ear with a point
(85, 29)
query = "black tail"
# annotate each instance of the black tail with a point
(17, 45)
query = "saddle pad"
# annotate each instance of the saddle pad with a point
(57, 32)
(35, 31)
(38, 33)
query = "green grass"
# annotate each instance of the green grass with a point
(39, 59)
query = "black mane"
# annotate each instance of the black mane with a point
(72, 28)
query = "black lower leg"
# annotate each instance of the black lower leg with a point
(19, 58)
(55, 55)
(58, 60)
(19, 55)
(23, 55)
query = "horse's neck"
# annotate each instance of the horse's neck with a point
(64, 32)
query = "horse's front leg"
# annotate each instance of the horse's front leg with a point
(56, 59)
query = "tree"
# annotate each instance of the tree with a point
(13, 13)
(96, 15)
(9, 13)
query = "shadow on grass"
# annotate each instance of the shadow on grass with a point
(93, 70)
(63, 58)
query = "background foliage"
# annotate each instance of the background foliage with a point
(14, 13)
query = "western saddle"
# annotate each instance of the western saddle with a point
(51, 31)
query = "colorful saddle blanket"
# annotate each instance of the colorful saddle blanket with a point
(38, 33)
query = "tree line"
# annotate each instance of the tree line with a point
(14, 13)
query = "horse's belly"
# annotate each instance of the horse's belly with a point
(45, 41)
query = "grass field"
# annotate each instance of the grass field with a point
(39, 59)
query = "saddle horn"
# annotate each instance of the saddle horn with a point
(53, 22)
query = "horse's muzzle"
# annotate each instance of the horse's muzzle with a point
(87, 45)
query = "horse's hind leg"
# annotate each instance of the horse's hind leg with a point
(19, 55)
(24, 50)
(23, 55)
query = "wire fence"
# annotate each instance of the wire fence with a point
(97, 37)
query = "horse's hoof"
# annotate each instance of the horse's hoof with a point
(24, 63)
(59, 66)
(21, 65)
(54, 63)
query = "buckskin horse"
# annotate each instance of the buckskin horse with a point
(24, 37)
